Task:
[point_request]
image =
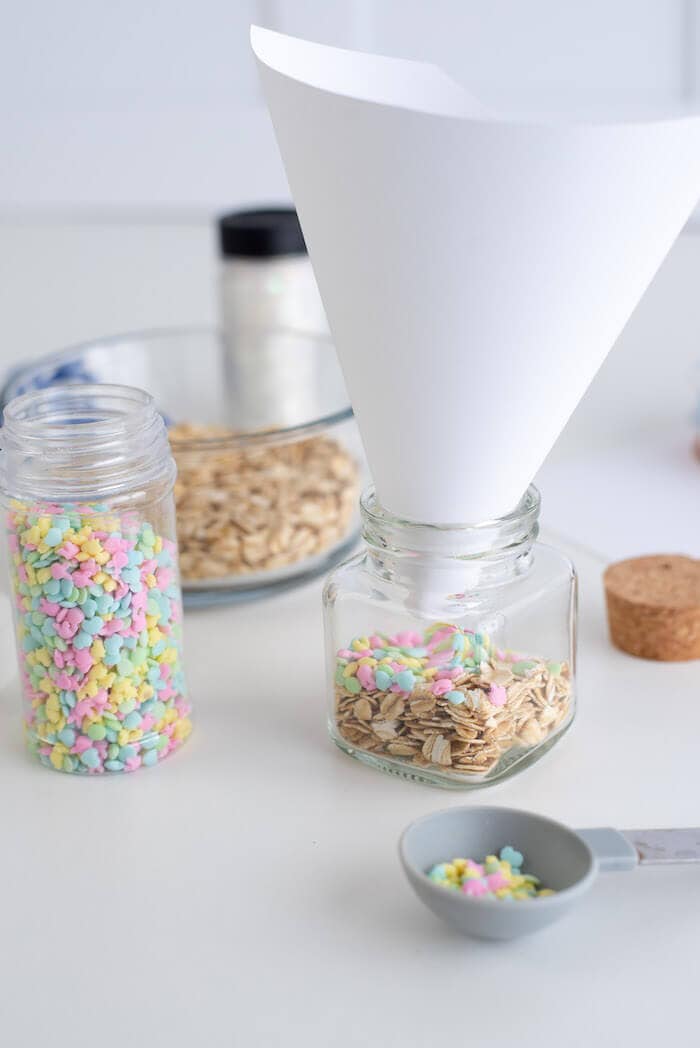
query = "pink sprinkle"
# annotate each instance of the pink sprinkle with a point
(82, 743)
(164, 577)
(59, 659)
(81, 578)
(139, 601)
(48, 607)
(115, 545)
(121, 590)
(13, 542)
(440, 687)
(148, 566)
(365, 653)
(22, 573)
(165, 670)
(147, 722)
(68, 550)
(474, 887)
(45, 751)
(496, 880)
(83, 659)
(66, 630)
(75, 616)
(113, 626)
(441, 635)
(497, 695)
(133, 763)
(366, 678)
(475, 867)
(406, 639)
(376, 641)
(345, 653)
(64, 681)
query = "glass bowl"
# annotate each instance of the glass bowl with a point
(269, 458)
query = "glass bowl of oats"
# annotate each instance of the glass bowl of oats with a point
(268, 454)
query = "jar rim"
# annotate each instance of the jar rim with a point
(528, 508)
(83, 442)
(508, 534)
(59, 411)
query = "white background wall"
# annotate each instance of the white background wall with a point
(152, 106)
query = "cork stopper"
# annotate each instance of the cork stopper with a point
(654, 607)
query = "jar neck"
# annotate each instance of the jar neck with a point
(84, 443)
(447, 562)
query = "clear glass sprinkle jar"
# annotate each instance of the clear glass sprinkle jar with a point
(87, 480)
(451, 649)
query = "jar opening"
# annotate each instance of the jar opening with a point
(506, 535)
(83, 441)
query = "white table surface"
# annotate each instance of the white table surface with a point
(247, 892)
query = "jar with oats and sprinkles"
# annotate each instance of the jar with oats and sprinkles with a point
(451, 648)
(87, 479)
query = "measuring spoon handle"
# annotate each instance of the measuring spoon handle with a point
(625, 849)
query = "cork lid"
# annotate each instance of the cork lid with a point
(662, 581)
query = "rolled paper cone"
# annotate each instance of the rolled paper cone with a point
(475, 268)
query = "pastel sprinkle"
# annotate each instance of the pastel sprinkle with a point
(479, 880)
(100, 659)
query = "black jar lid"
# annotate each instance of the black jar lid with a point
(261, 233)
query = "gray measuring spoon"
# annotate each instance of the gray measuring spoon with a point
(564, 859)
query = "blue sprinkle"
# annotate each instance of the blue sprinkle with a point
(405, 680)
(383, 679)
(455, 698)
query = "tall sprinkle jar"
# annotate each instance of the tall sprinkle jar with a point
(87, 479)
(451, 648)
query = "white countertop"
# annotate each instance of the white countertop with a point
(247, 892)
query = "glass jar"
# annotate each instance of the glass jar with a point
(451, 649)
(87, 478)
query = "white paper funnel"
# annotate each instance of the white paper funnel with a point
(475, 269)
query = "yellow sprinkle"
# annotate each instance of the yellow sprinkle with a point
(109, 585)
(56, 758)
(150, 580)
(182, 729)
(123, 737)
(102, 557)
(43, 575)
(350, 670)
(366, 661)
(100, 577)
(43, 656)
(92, 547)
(360, 644)
(43, 524)
(53, 711)
(151, 621)
(158, 544)
(97, 650)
